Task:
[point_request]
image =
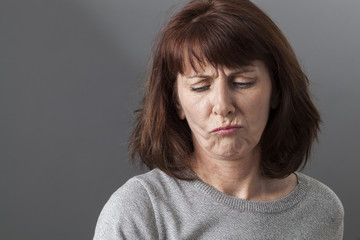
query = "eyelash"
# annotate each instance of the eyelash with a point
(243, 84)
(200, 89)
(236, 84)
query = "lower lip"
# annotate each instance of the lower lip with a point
(226, 131)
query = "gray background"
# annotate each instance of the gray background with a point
(71, 74)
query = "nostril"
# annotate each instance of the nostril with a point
(223, 110)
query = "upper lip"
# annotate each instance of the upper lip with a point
(226, 127)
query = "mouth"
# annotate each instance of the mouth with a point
(226, 130)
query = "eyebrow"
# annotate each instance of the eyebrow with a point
(201, 75)
(245, 70)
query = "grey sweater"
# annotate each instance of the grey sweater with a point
(157, 206)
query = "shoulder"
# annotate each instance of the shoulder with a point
(319, 192)
(138, 189)
(129, 210)
(322, 208)
(135, 192)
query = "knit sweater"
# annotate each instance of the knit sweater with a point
(157, 206)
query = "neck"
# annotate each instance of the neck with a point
(241, 178)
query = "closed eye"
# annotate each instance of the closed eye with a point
(200, 89)
(243, 84)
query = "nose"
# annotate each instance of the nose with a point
(222, 100)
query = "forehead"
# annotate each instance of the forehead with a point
(205, 67)
(191, 65)
(196, 57)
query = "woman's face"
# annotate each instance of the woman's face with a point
(226, 109)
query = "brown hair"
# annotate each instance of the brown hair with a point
(228, 33)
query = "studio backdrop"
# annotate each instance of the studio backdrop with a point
(72, 73)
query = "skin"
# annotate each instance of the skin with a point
(239, 100)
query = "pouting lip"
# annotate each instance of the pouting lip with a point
(226, 127)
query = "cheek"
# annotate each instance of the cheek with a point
(258, 109)
(196, 114)
(194, 107)
(193, 110)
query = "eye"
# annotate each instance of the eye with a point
(200, 89)
(243, 80)
(243, 84)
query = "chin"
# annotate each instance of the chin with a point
(232, 153)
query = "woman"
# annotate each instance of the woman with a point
(225, 123)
